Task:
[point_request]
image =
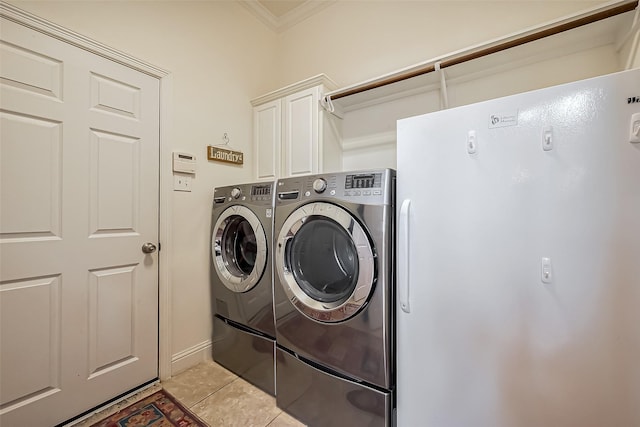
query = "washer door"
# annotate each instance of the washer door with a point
(239, 248)
(325, 262)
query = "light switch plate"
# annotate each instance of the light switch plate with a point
(181, 183)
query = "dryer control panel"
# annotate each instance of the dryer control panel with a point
(368, 180)
(365, 187)
(363, 184)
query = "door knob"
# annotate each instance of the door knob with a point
(148, 248)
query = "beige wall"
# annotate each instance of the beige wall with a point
(353, 41)
(220, 57)
(370, 122)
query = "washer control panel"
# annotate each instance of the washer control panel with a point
(261, 193)
(258, 194)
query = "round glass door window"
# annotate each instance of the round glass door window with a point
(239, 248)
(325, 262)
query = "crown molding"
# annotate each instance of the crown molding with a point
(319, 79)
(289, 19)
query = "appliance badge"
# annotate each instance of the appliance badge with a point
(504, 119)
(633, 100)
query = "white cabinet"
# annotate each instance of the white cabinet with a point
(292, 133)
(267, 131)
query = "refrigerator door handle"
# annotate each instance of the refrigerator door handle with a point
(403, 256)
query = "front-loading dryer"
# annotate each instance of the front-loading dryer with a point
(333, 297)
(241, 278)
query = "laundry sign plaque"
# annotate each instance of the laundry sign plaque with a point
(224, 155)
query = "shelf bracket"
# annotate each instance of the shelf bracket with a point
(327, 105)
(444, 96)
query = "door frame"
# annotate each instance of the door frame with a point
(165, 78)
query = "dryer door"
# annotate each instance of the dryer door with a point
(239, 248)
(325, 262)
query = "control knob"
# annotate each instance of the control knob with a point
(319, 185)
(235, 193)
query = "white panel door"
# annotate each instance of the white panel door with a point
(79, 186)
(301, 155)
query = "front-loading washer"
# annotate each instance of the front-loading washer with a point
(241, 279)
(333, 297)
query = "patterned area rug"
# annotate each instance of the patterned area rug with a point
(158, 410)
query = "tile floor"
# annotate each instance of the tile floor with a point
(217, 396)
(221, 398)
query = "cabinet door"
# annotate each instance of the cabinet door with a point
(300, 142)
(267, 124)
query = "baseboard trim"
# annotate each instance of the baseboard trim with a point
(190, 357)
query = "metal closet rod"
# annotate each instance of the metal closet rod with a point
(464, 57)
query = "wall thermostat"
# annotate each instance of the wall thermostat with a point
(183, 162)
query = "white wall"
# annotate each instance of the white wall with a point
(220, 58)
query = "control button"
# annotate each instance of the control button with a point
(307, 193)
(377, 192)
(235, 193)
(366, 193)
(319, 185)
(332, 192)
(347, 193)
(357, 192)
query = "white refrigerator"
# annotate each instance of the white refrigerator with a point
(518, 260)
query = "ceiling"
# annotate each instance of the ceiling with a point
(279, 8)
(282, 14)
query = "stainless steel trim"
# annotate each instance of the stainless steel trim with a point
(316, 310)
(234, 282)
